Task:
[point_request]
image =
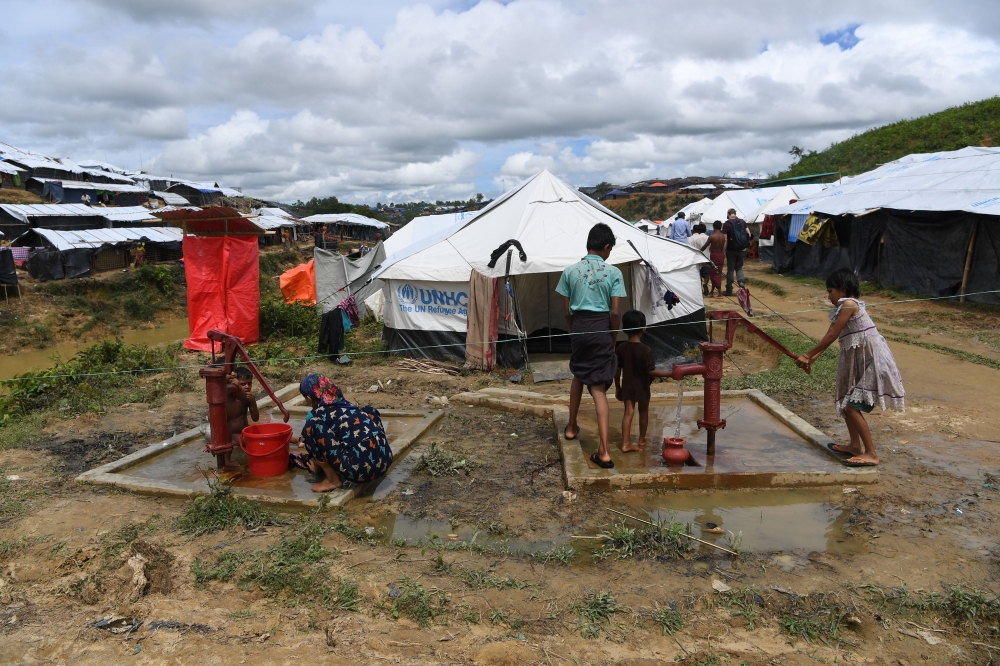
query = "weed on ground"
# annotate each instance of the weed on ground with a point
(663, 539)
(117, 542)
(775, 289)
(596, 611)
(787, 377)
(222, 510)
(409, 599)
(440, 462)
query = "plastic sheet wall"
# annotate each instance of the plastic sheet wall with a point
(223, 288)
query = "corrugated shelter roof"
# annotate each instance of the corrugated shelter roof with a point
(7, 167)
(25, 212)
(218, 221)
(84, 185)
(172, 199)
(346, 218)
(95, 238)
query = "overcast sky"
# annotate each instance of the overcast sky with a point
(390, 101)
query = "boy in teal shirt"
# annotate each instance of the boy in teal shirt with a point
(591, 290)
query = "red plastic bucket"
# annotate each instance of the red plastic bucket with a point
(266, 446)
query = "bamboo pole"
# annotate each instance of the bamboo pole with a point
(707, 543)
(968, 261)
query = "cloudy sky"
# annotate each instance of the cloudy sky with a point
(389, 101)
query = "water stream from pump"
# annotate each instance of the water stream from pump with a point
(677, 415)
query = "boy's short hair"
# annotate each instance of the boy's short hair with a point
(716, 225)
(844, 279)
(680, 215)
(633, 321)
(600, 236)
(243, 372)
(699, 228)
(731, 211)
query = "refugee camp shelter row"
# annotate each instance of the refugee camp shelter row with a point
(351, 225)
(203, 194)
(12, 176)
(15, 219)
(73, 191)
(56, 254)
(427, 286)
(928, 223)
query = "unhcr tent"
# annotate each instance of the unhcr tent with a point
(746, 203)
(427, 290)
(420, 228)
(927, 223)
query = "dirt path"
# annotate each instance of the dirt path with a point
(494, 536)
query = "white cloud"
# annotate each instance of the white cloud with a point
(590, 90)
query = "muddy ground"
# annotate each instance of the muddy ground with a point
(929, 525)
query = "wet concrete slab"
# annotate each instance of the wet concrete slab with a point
(764, 444)
(179, 466)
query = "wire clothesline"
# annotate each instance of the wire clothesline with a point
(780, 315)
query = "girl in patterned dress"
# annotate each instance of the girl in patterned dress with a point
(866, 372)
(346, 442)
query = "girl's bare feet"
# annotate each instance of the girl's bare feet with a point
(643, 441)
(627, 447)
(862, 460)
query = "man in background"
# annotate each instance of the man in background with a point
(737, 242)
(681, 229)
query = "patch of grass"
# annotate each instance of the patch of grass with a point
(972, 607)
(105, 374)
(813, 620)
(14, 497)
(775, 289)
(16, 431)
(596, 610)
(787, 377)
(439, 462)
(362, 535)
(669, 619)
(292, 569)
(280, 320)
(415, 603)
(660, 540)
(742, 603)
(12, 547)
(951, 351)
(365, 344)
(481, 580)
(221, 510)
(243, 615)
(117, 542)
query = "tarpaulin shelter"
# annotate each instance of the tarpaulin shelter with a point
(338, 277)
(221, 266)
(298, 284)
(746, 203)
(83, 251)
(428, 287)
(352, 225)
(8, 271)
(927, 223)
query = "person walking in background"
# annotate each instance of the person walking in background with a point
(699, 241)
(737, 242)
(717, 256)
(681, 229)
(591, 291)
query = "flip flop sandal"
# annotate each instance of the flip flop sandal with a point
(860, 463)
(600, 463)
(568, 438)
(838, 451)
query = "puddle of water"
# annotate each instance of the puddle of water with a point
(417, 531)
(753, 440)
(174, 330)
(792, 520)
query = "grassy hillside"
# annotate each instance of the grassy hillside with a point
(650, 206)
(973, 124)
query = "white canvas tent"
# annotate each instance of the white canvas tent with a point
(420, 228)
(746, 203)
(426, 290)
(696, 208)
(781, 198)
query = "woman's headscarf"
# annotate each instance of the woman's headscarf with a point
(321, 388)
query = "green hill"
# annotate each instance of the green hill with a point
(973, 124)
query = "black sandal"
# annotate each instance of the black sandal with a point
(600, 463)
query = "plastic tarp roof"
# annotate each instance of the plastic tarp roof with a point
(338, 277)
(7, 167)
(94, 238)
(959, 180)
(172, 199)
(346, 218)
(218, 220)
(83, 185)
(551, 220)
(277, 212)
(746, 203)
(24, 212)
(420, 228)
